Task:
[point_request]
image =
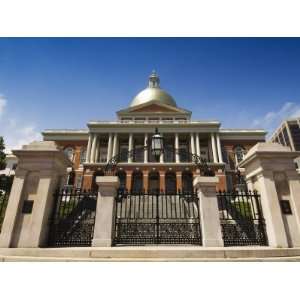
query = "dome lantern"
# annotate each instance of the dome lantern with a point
(154, 80)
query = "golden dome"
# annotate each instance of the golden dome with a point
(153, 92)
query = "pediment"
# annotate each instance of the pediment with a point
(154, 107)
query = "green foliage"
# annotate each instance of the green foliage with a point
(2, 154)
(244, 209)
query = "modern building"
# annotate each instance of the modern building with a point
(93, 148)
(288, 134)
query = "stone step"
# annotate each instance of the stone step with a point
(164, 253)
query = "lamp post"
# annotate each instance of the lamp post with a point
(157, 145)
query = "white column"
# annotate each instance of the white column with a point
(115, 145)
(93, 148)
(213, 146)
(192, 144)
(109, 146)
(161, 159)
(130, 147)
(177, 156)
(219, 148)
(97, 150)
(197, 144)
(146, 149)
(88, 150)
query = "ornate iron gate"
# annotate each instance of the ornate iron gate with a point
(241, 219)
(146, 218)
(73, 219)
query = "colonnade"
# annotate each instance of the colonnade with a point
(93, 147)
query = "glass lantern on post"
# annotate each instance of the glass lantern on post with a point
(157, 144)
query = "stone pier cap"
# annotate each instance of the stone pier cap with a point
(40, 152)
(205, 181)
(108, 181)
(268, 150)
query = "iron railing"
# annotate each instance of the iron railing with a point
(157, 218)
(73, 218)
(241, 218)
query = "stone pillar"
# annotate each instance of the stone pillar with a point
(219, 148)
(177, 156)
(271, 210)
(145, 180)
(93, 152)
(270, 167)
(105, 211)
(128, 179)
(130, 147)
(115, 145)
(213, 146)
(197, 144)
(12, 209)
(88, 150)
(146, 148)
(162, 180)
(41, 166)
(209, 212)
(294, 185)
(109, 146)
(179, 180)
(192, 144)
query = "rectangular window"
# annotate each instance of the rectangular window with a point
(167, 120)
(140, 120)
(295, 133)
(281, 140)
(286, 137)
(153, 120)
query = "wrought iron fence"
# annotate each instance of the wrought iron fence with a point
(5, 187)
(147, 218)
(241, 219)
(73, 218)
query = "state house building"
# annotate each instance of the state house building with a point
(90, 150)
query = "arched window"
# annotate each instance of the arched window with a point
(153, 185)
(170, 183)
(82, 155)
(122, 177)
(94, 186)
(69, 151)
(239, 153)
(137, 182)
(187, 181)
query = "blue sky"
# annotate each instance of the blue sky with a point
(65, 82)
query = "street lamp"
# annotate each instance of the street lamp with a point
(157, 145)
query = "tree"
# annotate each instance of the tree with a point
(2, 154)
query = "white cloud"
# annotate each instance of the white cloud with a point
(272, 119)
(16, 133)
(2, 104)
